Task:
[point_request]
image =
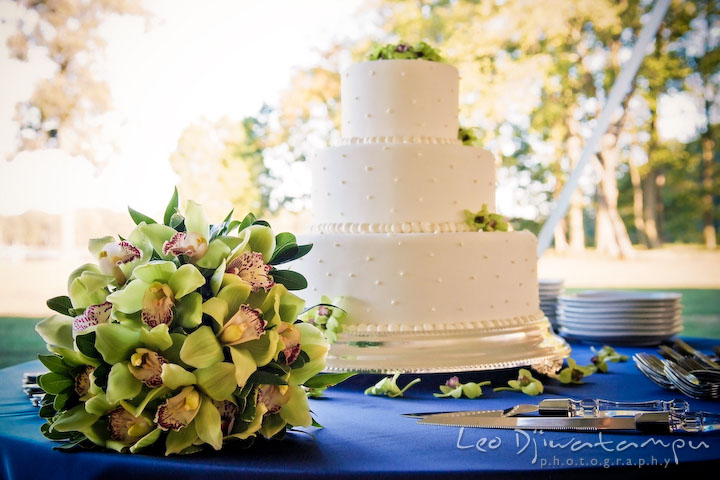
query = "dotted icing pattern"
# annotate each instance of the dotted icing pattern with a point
(404, 227)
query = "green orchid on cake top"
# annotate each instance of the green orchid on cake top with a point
(483, 220)
(404, 51)
(468, 137)
(329, 317)
(184, 334)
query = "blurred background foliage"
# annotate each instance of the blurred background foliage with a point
(535, 76)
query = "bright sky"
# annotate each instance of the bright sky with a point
(198, 59)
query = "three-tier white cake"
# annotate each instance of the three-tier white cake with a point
(423, 290)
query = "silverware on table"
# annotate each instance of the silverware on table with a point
(566, 407)
(656, 422)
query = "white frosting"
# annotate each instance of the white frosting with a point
(400, 98)
(429, 281)
(355, 140)
(401, 187)
(405, 227)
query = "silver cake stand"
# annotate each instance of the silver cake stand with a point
(533, 344)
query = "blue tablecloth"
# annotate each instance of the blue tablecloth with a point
(366, 437)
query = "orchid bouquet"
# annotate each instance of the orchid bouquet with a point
(182, 334)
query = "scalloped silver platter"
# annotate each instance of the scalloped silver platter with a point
(533, 344)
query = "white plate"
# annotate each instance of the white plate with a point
(640, 340)
(625, 295)
(620, 321)
(618, 309)
(621, 332)
(619, 329)
(599, 316)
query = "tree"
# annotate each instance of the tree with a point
(64, 109)
(221, 166)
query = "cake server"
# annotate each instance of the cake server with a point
(651, 422)
(566, 407)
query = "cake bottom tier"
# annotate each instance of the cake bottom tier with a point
(425, 281)
(533, 344)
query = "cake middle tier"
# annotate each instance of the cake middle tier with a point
(424, 281)
(400, 187)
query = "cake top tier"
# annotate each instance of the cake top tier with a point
(400, 101)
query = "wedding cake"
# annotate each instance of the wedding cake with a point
(426, 287)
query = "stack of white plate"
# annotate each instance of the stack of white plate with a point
(620, 317)
(550, 290)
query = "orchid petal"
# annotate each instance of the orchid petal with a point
(234, 295)
(297, 412)
(313, 343)
(158, 338)
(217, 252)
(201, 348)
(74, 419)
(189, 310)
(266, 348)
(254, 426)
(185, 280)
(217, 381)
(155, 271)
(251, 268)
(115, 342)
(130, 298)
(98, 405)
(217, 308)
(179, 440)
(195, 219)
(154, 393)
(244, 365)
(72, 357)
(146, 441)
(233, 242)
(281, 305)
(217, 278)
(92, 317)
(244, 326)
(261, 240)
(142, 243)
(88, 287)
(56, 330)
(172, 354)
(208, 424)
(122, 385)
(175, 376)
(157, 235)
(95, 245)
(272, 425)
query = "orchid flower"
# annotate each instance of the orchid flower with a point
(573, 373)
(388, 386)
(91, 317)
(483, 220)
(329, 317)
(158, 292)
(126, 428)
(146, 366)
(453, 388)
(249, 267)
(525, 383)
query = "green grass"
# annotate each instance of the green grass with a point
(701, 311)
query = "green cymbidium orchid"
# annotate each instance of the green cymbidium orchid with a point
(608, 354)
(525, 383)
(453, 388)
(329, 317)
(574, 373)
(483, 220)
(388, 386)
(158, 292)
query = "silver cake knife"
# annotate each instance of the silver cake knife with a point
(651, 422)
(566, 407)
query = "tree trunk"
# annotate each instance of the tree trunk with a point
(708, 206)
(576, 223)
(561, 244)
(638, 215)
(611, 233)
(650, 196)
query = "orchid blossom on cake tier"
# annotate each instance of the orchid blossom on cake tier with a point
(183, 334)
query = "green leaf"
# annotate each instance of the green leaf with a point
(86, 344)
(61, 304)
(47, 411)
(101, 375)
(260, 377)
(171, 208)
(316, 424)
(146, 441)
(74, 419)
(289, 253)
(55, 383)
(246, 222)
(328, 379)
(138, 217)
(54, 364)
(60, 401)
(291, 279)
(284, 238)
